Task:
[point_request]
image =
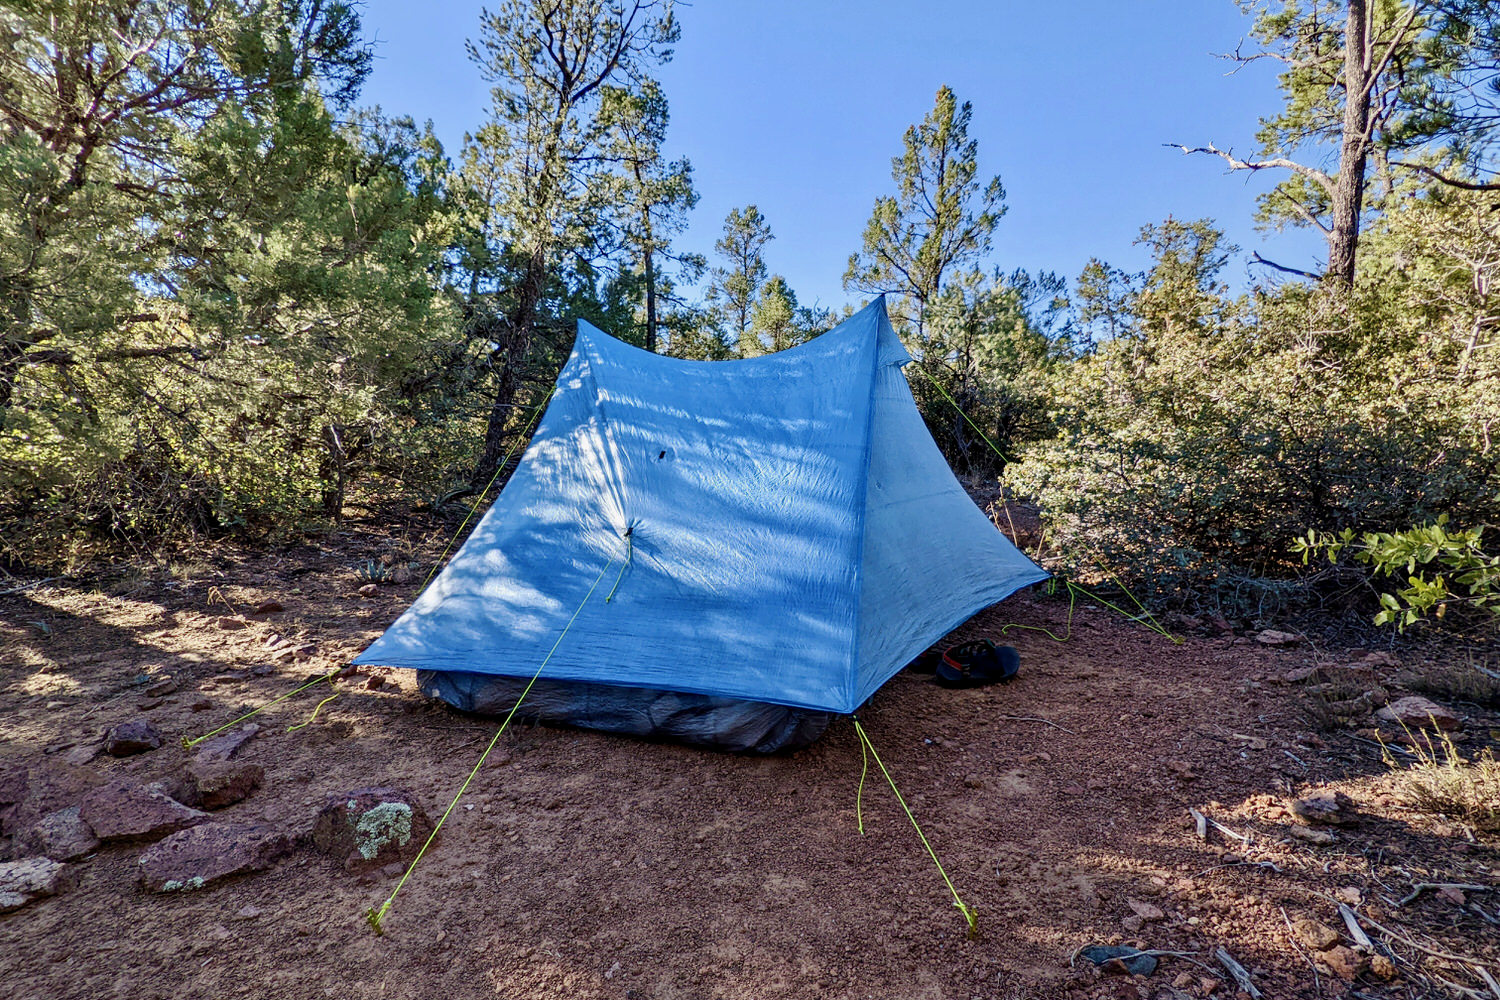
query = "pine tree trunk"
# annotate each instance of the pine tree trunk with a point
(1348, 201)
(511, 357)
(650, 301)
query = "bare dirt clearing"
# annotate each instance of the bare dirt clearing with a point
(586, 865)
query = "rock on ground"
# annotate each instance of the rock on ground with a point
(200, 856)
(132, 738)
(225, 746)
(1271, 637)
(60, 835)
(124, 811)
(14, 784)
(1314, 934)
(1415, 711)
(216, 784)
(1308, 835)
(369, 828)
(1324, 807)
(29, 879)
(1342, 962)
(46, 789)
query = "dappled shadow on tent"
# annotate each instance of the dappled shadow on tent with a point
(706, 528)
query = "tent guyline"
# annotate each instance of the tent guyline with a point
(188, 744)
(1145, 618)
(1074, 591)
(314, 717)
(374, 916)
(536, 413)
(867, 748)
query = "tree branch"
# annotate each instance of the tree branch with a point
(1450, 181)
(1256, 258)
(1279, 163)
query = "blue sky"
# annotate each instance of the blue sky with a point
(798, 108)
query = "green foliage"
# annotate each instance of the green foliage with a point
(1454, 567)
(1437, 779)
(1209, 432)
(980, 340)
(736, 288)
(230, 320)
(992, 342)
(940, 218)
(573, 114)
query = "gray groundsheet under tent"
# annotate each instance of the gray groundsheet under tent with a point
(732, 724)
(723, 553)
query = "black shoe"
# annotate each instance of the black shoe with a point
(976, 663)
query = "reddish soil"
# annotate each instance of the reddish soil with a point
(585, 865)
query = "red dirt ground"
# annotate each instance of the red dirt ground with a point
(584, 865)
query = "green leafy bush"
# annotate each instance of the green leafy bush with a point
(1209, 432)
(1442, 567)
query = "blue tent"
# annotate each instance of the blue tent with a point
(787, 529)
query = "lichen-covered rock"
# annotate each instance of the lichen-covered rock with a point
(369, 828)
(132, 738)
(198, 857)
(60, 835)
(29, 879)
(125, 811)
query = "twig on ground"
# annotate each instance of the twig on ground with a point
(1032, 718)
(462, 746)
(1204, 822)
(1449, 956)
(1460, 990)
(1238, 971)
(1241, 864)
(1292, 937)
(27, 586)
(1422, 887)
(1355, 931)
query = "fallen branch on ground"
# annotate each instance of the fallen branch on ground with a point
(1422, 887)
(1032, 718)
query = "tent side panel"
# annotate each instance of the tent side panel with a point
(931, 557)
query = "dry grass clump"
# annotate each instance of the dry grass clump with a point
(1471, 682)
(1441, 781)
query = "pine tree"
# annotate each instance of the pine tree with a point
(545, 145)
(736, 288)
(939, 220)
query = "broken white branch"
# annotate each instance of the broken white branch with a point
(1238, 971)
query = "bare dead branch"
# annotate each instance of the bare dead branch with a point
(1277, 163)
(1256, 258)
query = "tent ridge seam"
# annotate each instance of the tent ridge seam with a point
(864, 519)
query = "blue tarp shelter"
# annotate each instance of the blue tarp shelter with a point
(794, 535)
